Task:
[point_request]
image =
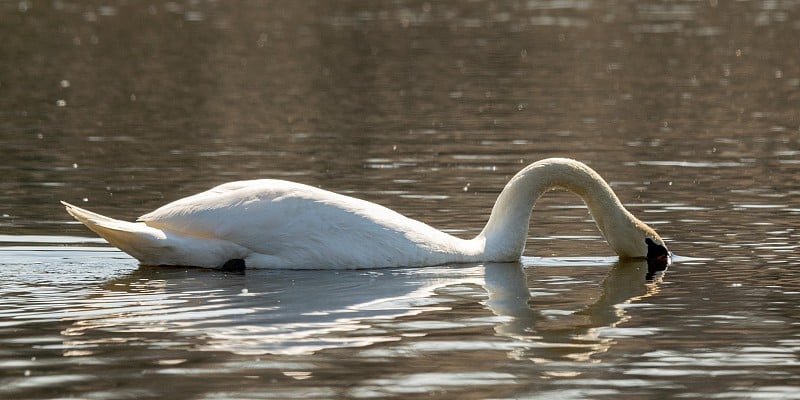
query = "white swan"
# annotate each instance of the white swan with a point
(279, 224)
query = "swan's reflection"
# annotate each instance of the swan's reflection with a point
(263, 312)
(509, 295)
(303, 312)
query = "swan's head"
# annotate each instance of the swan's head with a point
(631, 238)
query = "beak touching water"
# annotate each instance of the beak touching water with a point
(658, 258)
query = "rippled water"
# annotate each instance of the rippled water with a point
(689, 109)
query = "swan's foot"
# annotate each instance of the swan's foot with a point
(233, 265)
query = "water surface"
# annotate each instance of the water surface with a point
(689, 109)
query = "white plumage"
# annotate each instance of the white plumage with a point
(279, 224)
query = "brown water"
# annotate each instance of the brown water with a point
(689, 109)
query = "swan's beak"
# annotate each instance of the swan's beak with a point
(658, 258)
(656, 251)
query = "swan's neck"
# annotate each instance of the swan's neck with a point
(506, 232)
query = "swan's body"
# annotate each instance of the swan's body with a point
(279, 224)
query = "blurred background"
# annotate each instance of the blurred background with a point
(125, 105)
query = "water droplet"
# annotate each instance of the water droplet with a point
(194, 16)
(27, 372)
(107, 11)
(172, 7)
(61, 103)
(85, 199)
(262, 40)
(64, 83)
(74, 165)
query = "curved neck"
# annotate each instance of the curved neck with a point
(507, 229)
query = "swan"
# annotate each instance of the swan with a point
(278, 224)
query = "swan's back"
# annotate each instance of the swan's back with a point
(300, 226)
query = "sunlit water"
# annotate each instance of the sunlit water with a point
(689, 109)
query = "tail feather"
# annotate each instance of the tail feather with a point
(153, 246)
(134, 238)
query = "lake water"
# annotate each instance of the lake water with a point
(688, 108)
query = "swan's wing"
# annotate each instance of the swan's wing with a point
(276, 213)
(227, 208)
(303, 225)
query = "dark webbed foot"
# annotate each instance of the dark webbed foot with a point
(233, 265)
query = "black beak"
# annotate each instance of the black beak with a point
(658, 258)
(655, 251)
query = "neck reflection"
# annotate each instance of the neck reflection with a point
(556, 333)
